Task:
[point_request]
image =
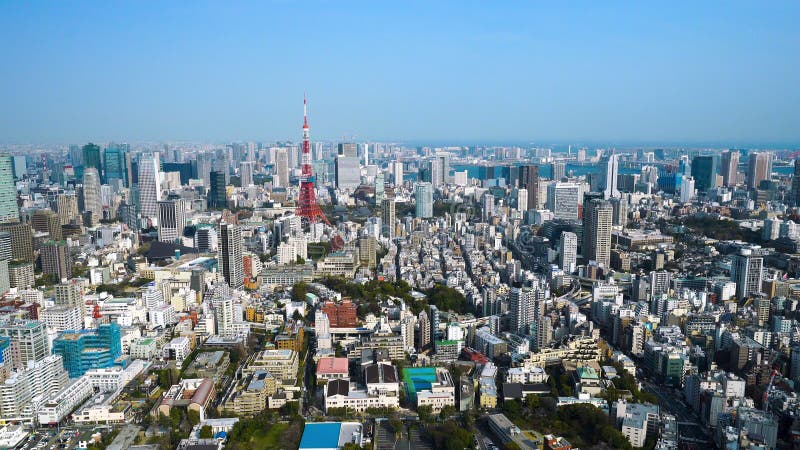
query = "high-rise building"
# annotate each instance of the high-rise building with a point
(347, 172)
(747, 272)
(522, 199)
(558, 170)
(443, 159)
(56, 259)
(597, 220)
(397, 172)
(704, 172)
(659, 282)
(20, 166)
(423, 194)
(67, 208)
(607, 176)
(230, 254)
(347, 149)
(92, 201)
(487, 207)
(171, 220)
(730, 166)
(91, 157)
(205, 240)
(387, 217)
(759, 169)
(796, 183)
(9, 210)
(568, 251)
(21, 240)
(281, 168)
(521, 309)
(68, 293)
(424, 336)
(620, 215)
(46, 221)
(529, 179)
(149, 184)
(217, 195)
(116, 164)
(246, 171)
(687, 189)
(29, 341)
(563, 199)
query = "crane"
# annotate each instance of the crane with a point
(773, 374)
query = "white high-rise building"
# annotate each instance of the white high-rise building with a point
(563, 199)
(281, 168)
(92, 200)
(149, 184)
(687, 189)
(246, 170)
(747, 272)
(230, 255)
(424, 199)
(568, 251)
(609, 169)
(522, 309)
(171, 220)
(522, 200)
(397, 172)
(597, 222)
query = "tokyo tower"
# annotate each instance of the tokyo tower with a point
(307, 207)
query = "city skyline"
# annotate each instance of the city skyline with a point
(631, 74)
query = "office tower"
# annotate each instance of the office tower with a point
(67, 208)
(85, 350)
(759, 169)
(185, 170)
(424, 336)
(9, 211)
(20, 166)
(387, 217)
(529, 179)
(568, 251)
(558, 171)
(687, 189)
(443, 160)
(91, 157)
(747, 273)
(246, 170)
(487, 207)
(397, 172)
(620, 215)
(171, 220)
(607, 176)
(149, 184)
(29, 341)
(423, 194)
(796, 183)
(92, 202)
(281, 168)
(116, 165)
(47, 221)
(704, 172)
(21, 240)
(730, 166)
(231, 263)
(522, 200)
(347, 172)
(68, 293)
(217, 195)
(5, 246)
(597, 220)
(379, 188)
(202, 164)
(56, 259)
(434, 318)
(348, 149)
(205, 240)
(521, 309)
(563, 199)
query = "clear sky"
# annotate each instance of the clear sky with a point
(649, 72)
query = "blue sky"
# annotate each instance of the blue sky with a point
(673, 72)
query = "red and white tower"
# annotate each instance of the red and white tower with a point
(307, 207)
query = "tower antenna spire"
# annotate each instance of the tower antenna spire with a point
(307, 207)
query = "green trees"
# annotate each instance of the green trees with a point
(206, 432)
(448, 299)
(450, 436)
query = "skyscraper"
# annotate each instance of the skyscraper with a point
(423, 194)
(21, 240)
(487, 206)
(558, 170)
(747, 273)
(387, 217)
(116, 165)
(67, 207)
(620, 215)
(597, 220)
(607, 179)
(92, 201)
(397, 172)
(217, 195)
(149, 184)
(44, 220)
(424, 336)
(246, 170)
(9, 210)
(347, 172)
(568, 251)
(91, 157)
(529, 179)
(56, 259)
(563, 199)
(171, 220)
(759, 169)
(704, 171)
(281, 168)
(796, 183)
(443, 159)
(230, 257)
(730, 165)
(521, 309)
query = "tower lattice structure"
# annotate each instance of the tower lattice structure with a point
(307, 207)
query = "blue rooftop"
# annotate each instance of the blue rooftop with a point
(321, 436)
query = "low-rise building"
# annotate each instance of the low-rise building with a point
(332, 368)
